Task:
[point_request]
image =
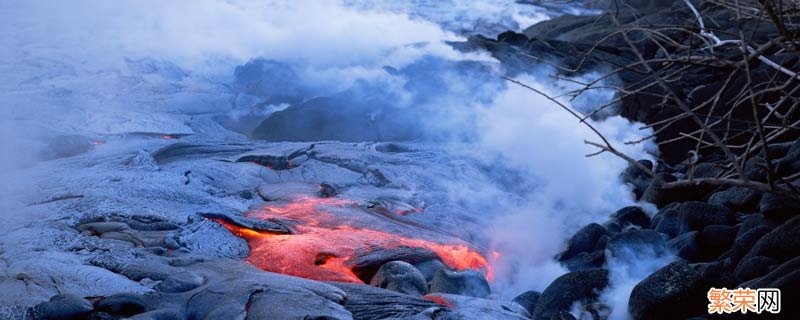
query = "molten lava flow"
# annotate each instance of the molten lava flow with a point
(322, 248)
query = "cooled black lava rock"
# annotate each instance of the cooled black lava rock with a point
(392, 147)
(583, 241)
(101, 316)
(466, 283)
(63, 307)
(180, 282)
(182, 150)
(703, 246)
(164, 314)
(400, 276)
(252, 224)
(716, 239)
(718, 274)
(676, 291)
(755, 168)
(778, 206)
(637, 177)
(686, 246)
(122, 304)
(239, 291)
(612, 226)
(327, 190)
(790, 163)
(783, 243)
(655, 194)
(635, 244)
(704, 170)
(744, 242)
(583, 286)
(152, 226)
(756, 220)
(465, 307)
(785, 277)
(98, 228)
(513, 38)
(375, 177)
(563, 315)
(752, 267)
(67, 146)
(737, 198)
(429, 268)
(585, 260)
(678, 218)
(367, 302)
(365, 265)
(632, 215)
(602, 243)
(269, 161)
(528, 300)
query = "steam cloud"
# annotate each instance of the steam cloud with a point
(77, 68)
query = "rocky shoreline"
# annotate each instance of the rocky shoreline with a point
(716, 236)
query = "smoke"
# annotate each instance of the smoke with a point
(625, 272)
(87, 68)
(98, 67)
(565, 189)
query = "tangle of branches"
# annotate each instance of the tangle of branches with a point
(745, 53)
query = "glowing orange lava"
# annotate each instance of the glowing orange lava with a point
(322, 246)
(439, 300)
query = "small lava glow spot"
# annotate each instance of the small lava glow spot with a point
(404, 212)
(439, 300)
(167, 137)
(322, 247)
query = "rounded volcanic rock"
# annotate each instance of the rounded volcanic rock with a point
(583, 241)
(679, 218)
(467, 283)
(429, 268)
(783, 243)
(401, 277)
(63, 306)
(632, 215)
(122, 304)
(630, 245)
(676, 291)
(528, 300)
(582, 286)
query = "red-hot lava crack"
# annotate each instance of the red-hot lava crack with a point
(321, 248)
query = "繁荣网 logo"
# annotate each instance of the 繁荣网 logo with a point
(744, 300)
